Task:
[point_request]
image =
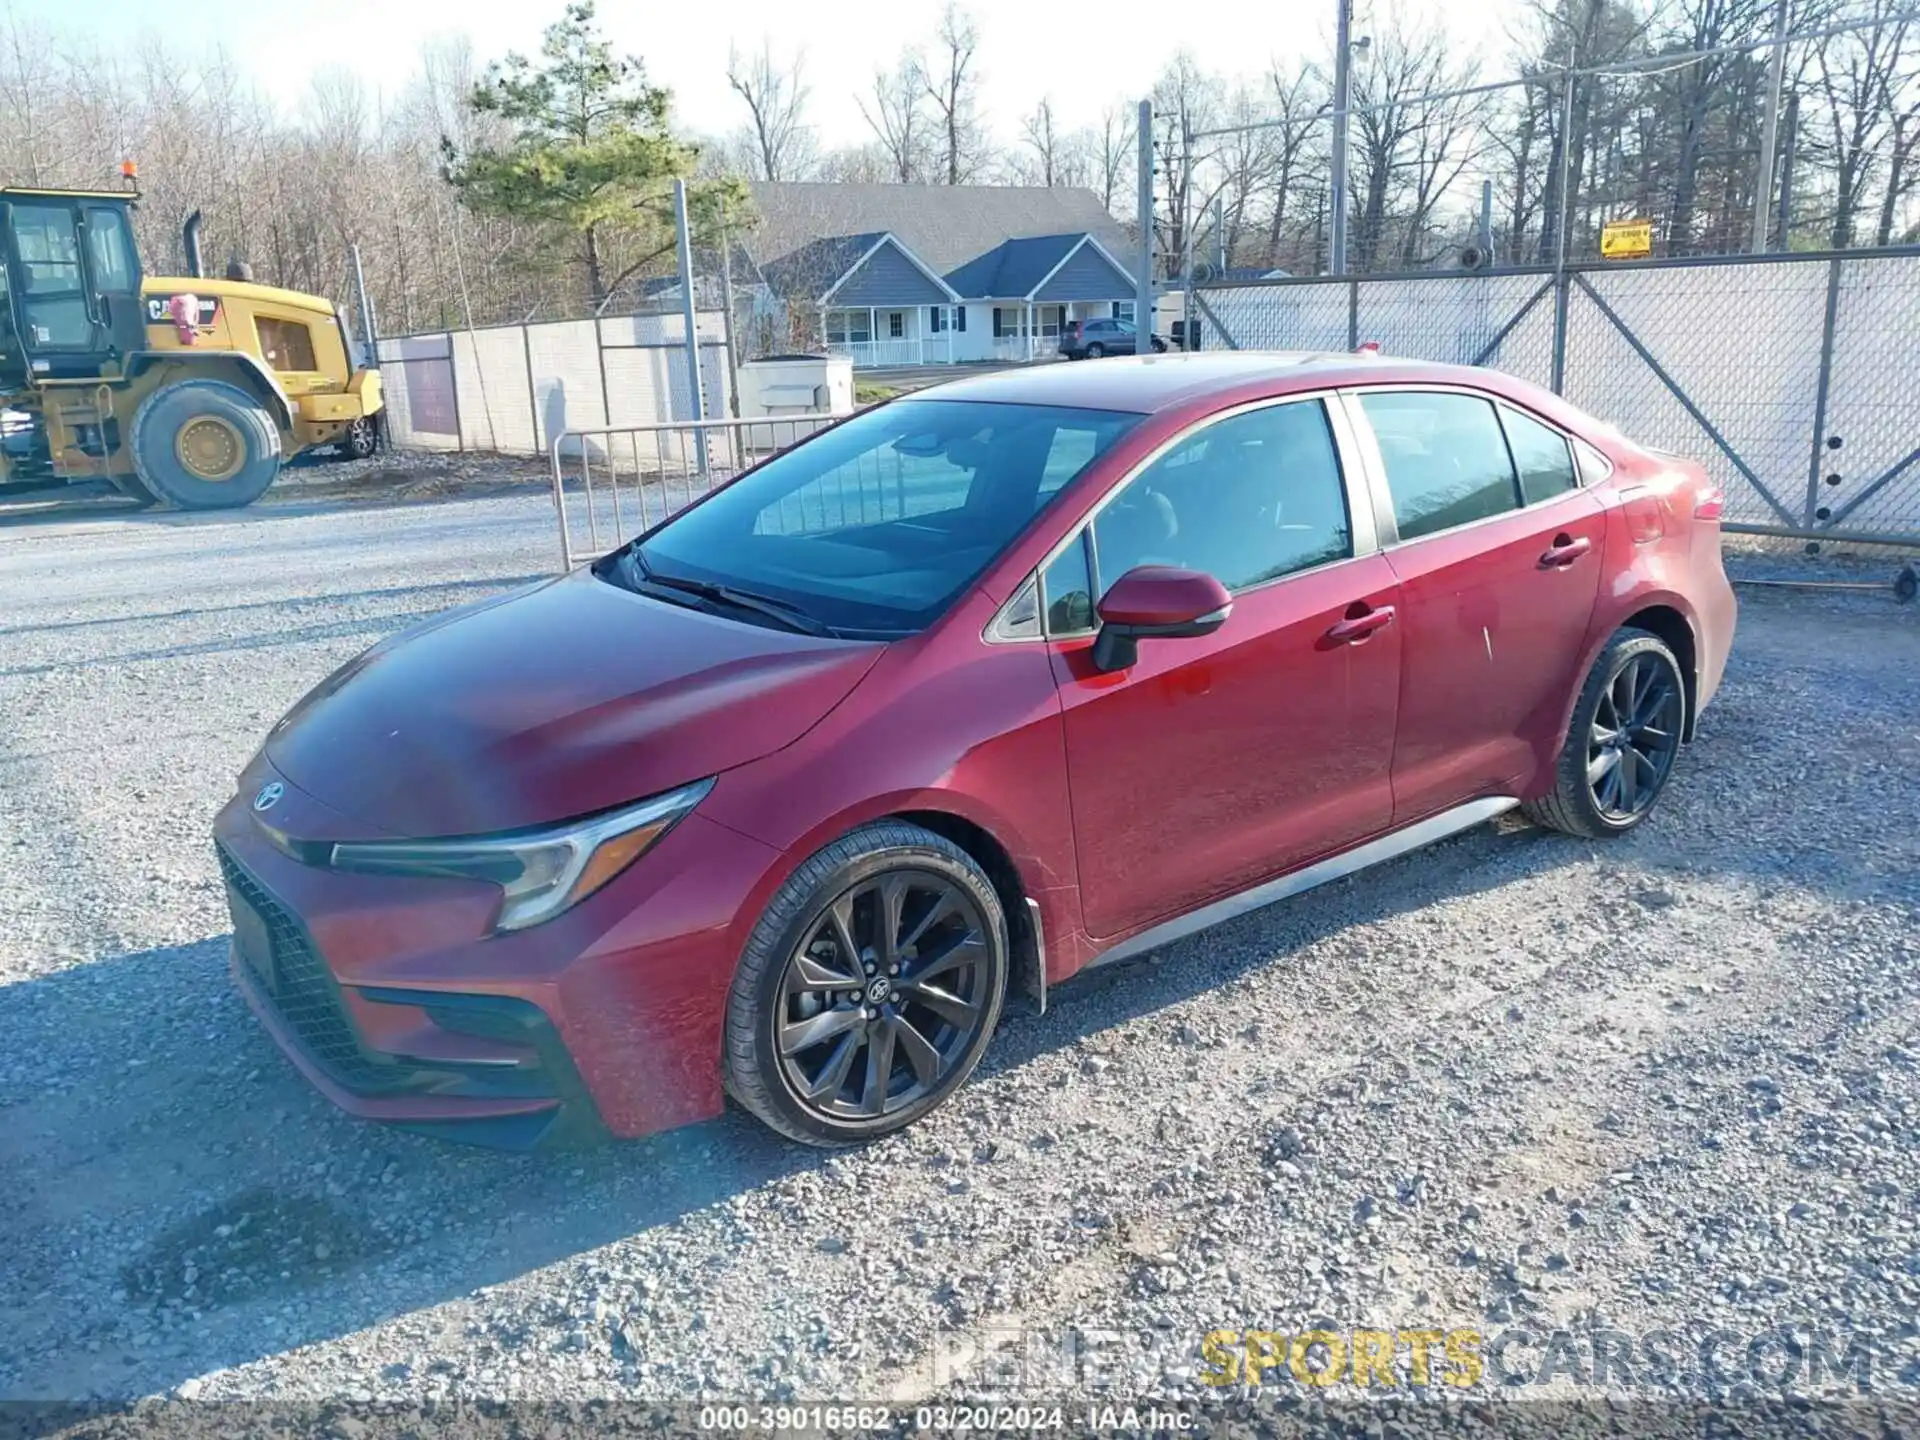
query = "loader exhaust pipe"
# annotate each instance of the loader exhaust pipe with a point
(190, 242)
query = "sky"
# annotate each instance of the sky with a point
(1082, 53)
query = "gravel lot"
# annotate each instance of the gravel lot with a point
(1668, 1083)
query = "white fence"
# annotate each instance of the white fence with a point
(512, 388)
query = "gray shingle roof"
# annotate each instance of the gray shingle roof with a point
(944, 225)
(810, 269)
(1012, 268)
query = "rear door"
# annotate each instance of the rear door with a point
(1497, 550)
(1215, 762)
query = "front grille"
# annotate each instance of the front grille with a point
(299, 988)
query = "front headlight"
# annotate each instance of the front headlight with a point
(540, 872)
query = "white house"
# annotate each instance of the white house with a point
(952, 273)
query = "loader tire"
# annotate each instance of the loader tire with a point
(205, 445)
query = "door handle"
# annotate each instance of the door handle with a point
(1566, 549)
(1358, 627)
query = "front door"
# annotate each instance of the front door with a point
(75, 284)
(1499, 566)
(1213, 763)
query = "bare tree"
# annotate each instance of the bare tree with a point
(776, 98)
(953, 84)
(1113, 154)
(1299, 101)
(896, 118)
(1038, 132)
(1856, 83)
(1407, 155)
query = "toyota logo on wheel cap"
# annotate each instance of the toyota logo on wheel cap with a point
(269, 795)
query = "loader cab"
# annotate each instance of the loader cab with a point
(72, 294)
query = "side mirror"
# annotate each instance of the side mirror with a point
(1158, 602)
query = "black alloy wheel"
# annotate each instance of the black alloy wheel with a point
(1634, 736)
(869, 988)
(1624, 734)
(883, 996)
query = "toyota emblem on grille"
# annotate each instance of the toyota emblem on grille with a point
(269, 795)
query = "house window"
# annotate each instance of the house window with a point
(1009, 321)
(849, 327)
(1053, 319)
(1123, 310)
(960, 318)
(896, 325)
(936, 319)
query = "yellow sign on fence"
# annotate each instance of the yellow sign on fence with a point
(1626, 240)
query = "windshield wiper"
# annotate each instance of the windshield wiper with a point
(781, 612)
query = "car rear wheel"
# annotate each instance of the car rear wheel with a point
(1096, 350)
(1621, 743)
(869, 989)
(361, 439)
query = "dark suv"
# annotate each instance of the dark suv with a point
(1090, 339)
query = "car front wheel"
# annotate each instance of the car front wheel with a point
(869, 989)
(1621, 743)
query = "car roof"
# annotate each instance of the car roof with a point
(1147, 383)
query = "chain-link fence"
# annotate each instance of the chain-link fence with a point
(1795, 379)
(511, 389)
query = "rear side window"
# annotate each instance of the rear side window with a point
(1540, 455)
(1446, 458)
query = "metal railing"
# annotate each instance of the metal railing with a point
(662, 469)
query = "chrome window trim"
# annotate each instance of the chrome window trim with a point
(1364, 536)
(1388, 523)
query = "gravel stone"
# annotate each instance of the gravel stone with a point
(1505, 1014)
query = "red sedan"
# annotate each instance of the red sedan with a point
(1020, 675)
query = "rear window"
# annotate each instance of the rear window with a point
(1540, 455)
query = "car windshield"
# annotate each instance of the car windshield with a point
(874, 527)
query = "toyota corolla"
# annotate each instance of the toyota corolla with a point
(789, 796)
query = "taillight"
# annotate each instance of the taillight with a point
(1708, 504)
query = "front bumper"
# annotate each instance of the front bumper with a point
(395, 1000)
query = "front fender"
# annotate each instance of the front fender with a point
(234, 366)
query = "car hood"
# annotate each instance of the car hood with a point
(550, 702)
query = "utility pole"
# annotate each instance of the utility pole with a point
(684, 243)
(1143, 282)
(1342, 98)
(1770, 130)
(732, 406)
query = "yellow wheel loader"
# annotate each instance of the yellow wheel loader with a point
(187, 390)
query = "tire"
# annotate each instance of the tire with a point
(1588, 797)
(776, 997)
(362, 438)
(237, 445)
(1096, 350)
(1159, 346)
(131, 487)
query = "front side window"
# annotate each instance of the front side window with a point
(57, 313)
(1446, 458)
(1246, 499)
(1540, 455)
(875, 526)
(1066, 591)
(110, 249)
